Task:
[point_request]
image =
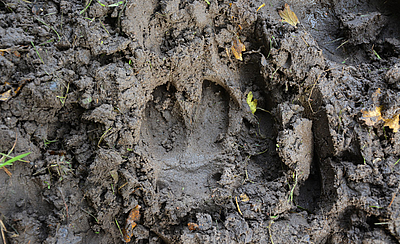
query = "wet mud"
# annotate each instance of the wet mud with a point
(136, 117)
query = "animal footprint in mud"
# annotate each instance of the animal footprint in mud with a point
(184, 154)
(164, 132)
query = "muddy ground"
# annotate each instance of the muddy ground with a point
(136, 118)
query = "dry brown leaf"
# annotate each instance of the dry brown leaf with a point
(372, 117)
(5, 96)
(17, 54)
(237, 48)
(393, 123)
(193, 226)
(244, 197)
(133, 217)
(288, 16)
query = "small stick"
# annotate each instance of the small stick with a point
(394, 196)
(342, 44)
(392, 200)
(66, 206)
(102, 136)
(122, 186)
(2, 228)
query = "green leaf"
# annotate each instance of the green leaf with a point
(251, 102)
(102, 4)
(9, 162)
(116, 4)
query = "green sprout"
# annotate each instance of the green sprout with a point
(111, 5)
(48, 142)
(64, 98)
(48, 185)
(294, 185)
(87, 6)
(37, 52)
(12, 160)
(119, 228)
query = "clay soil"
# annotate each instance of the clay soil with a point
(136, 118)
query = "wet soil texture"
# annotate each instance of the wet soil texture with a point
(139, 128)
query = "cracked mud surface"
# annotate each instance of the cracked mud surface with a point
(140, 107)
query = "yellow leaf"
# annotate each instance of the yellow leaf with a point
(252, 103)
(393, 123)
(372, 117)
(237, 48)
(288, 16)
(262, 5)
(244, 197)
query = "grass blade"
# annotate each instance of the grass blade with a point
(9, 162)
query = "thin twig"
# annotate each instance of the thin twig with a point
(103, 136)
(342, 44)
(3, 228)
(66, 206)
(394, 196)
(237, 204)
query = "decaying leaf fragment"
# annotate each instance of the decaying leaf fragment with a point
(133, 217)
(5, 96)
(288, 16)
(237, 48)
(193, 226)
(372, 117)
(251, 102)
(244, 197)
(393, 123)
